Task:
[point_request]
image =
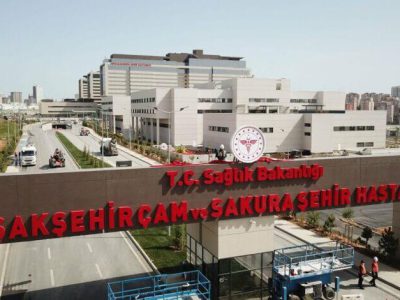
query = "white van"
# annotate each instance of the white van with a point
(28, 155)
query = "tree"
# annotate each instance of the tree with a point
(348, 213)
(312, 219)
(329, 223)
(388, 243)
(179, 237)
(366, 234)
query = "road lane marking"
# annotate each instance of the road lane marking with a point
(48, 253)
(98, 270)
(89, 247)
(3, 272)
(52, 277)
(133, 251)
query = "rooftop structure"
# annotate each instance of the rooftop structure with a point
(208, 115)
(123, 74)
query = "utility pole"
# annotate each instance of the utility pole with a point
(102, 137)
(169, 138)
(8, 130)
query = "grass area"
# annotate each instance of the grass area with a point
(161, 248)
(9, 136)
(84, 159)
(139, 146)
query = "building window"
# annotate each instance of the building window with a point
(278, 86)
(307, 133)
(218, 129)
(215, 100)
(267, 129)
(264, 100)
(307, 124)
(303, 100)
(353, 128)
(365, 144)
(209, 111)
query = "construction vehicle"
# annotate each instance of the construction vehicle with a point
(305, 271)
(28, 155)
(108, 146)
(57, 160)
(84, 132)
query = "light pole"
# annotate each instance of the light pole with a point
(169, 137)
(130, 127)
(8, 130)
(169, 126)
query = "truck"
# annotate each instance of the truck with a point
(108, 146)
(57, 160)
(28, 155)
(84, 132)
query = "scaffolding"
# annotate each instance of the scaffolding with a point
(185, 285)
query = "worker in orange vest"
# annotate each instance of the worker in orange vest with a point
(375, 270)
(362, 271)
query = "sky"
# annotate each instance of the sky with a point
(341, 45)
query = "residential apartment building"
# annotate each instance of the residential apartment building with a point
(94, 86)
(209, 115)
(352, 101)
(396, 91)
(90, 86)
(38, 93)
(367, 104)
(83, 88)
(123, 74)
(16, 97)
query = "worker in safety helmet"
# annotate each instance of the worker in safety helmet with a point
(374, 271)
(362, 271)
(221, 153)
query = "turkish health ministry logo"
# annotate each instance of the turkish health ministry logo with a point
(248, 144)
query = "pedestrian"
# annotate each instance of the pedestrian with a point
(362, 271)
(374, 271)
(19, 158)
(16, 158)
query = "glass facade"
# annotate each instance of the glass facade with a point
(242, 277)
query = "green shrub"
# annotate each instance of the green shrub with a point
(388, 243)
(180, 149)
(312, 219)
(329, 223)
(348, 213)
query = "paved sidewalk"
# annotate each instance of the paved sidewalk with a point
(387, 274)
(130, 152)
(22, 142)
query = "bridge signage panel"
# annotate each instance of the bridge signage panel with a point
(36, 206)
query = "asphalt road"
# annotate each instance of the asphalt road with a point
(68, 268)
(45, 142)
(65, 268)
(93, 144)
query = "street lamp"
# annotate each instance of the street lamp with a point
(169, 137)
(169, 125)
(130, 127)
